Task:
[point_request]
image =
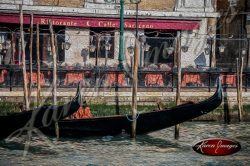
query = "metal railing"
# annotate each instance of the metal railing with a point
(11, 76)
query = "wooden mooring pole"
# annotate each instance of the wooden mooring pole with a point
(53, 49)
(178, 88)
(30, 56)
(25, 89)
(241, 84)
(13, 52)
(134, 89)
(13, 47)
(239, 88)
(38, 64)
(54, 92)
(227, 117)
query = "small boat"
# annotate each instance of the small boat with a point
(17, 123)
(146, 122)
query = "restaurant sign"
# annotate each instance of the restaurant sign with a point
(103, 22)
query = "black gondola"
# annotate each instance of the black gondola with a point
(146, 122)
(16, 123)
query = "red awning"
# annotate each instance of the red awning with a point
(103, 22)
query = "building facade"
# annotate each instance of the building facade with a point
(88, 36)
(86, 23)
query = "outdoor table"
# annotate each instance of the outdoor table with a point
(188, 78)
(73, 78)
(154, 79)
(3, 74)
(229, 79)
(114, 78)
(34, 78)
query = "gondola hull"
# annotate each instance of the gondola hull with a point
(17, 123)
(146, 122)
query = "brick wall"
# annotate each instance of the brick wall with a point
(67, 3)
(161, 5)
(17, 2)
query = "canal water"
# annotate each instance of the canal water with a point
(157, 148)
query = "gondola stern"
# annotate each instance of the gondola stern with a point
(75, 104)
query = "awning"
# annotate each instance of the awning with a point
(103, 22)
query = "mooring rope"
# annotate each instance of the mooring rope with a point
(131, 120)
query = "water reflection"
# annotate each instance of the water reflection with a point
(157, 148)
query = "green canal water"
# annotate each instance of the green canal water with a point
(158, 148)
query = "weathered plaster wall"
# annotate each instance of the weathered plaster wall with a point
(24, 2)
(79, 39)
(196, 44)
(195, 6)
(195, 55)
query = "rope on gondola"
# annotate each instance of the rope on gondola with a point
(131, 120)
